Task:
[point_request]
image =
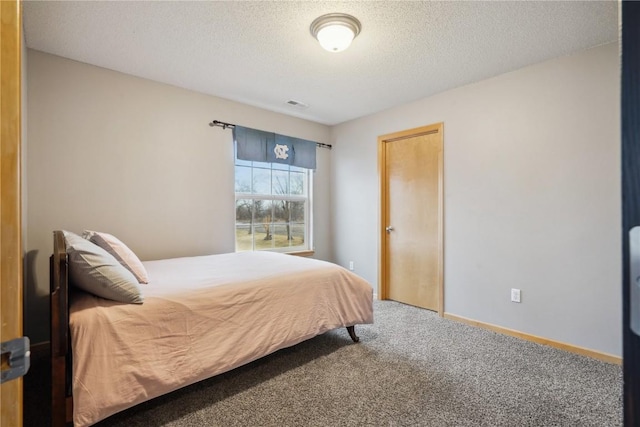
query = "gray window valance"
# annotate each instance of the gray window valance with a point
(259, 146)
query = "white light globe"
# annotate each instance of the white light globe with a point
(335, 38)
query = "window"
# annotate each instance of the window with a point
(273, 207)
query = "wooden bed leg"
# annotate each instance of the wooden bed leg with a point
(352, 333)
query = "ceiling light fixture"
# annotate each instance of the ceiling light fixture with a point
(335, 31)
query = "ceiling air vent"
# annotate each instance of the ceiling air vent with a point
(297, 104)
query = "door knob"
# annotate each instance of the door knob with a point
(389, 229)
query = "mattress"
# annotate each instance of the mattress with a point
(203, 316)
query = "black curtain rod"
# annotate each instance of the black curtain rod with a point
(224, 125)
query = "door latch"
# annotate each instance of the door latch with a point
(16, 358)
(634, 280)
(389, 229)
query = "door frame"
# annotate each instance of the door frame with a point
(630, 152)
(11, 413)
(383, 259)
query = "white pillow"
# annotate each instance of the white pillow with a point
(120, 251)
(94, 270)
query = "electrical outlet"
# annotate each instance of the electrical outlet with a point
(515, 295)
(351, 265)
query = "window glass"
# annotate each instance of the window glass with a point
(297, 234)
(297, 211)
(243, 179)
(261, 181)
(272, 203)
(298, 183)
(280, 183)
(244, 223)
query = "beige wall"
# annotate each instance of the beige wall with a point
(136, 158)
(532, 197)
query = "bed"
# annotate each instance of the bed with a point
(201, 316)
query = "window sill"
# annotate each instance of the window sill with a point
(301, 253)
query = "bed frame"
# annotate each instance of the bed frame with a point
(61, 366)
(61, 396)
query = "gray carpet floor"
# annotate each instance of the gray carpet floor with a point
(411, 368)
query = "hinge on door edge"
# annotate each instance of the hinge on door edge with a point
(17, 355)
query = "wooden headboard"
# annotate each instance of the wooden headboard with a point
(61, 398)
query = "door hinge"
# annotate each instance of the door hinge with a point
(15, 358)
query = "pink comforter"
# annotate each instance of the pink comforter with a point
(203, 316)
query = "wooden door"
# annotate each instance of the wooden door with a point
(10, 211)
(631, 210)
(411, 184)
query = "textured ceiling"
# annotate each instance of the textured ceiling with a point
(261, 53)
